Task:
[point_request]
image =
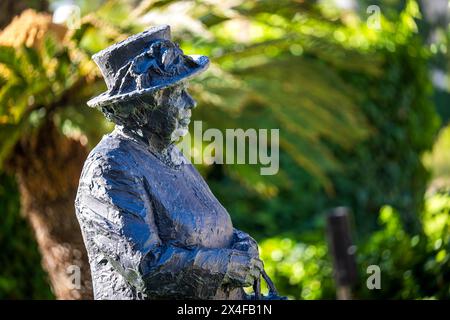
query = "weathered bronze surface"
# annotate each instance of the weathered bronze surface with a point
(151, 225)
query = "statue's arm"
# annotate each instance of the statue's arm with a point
(121, 226)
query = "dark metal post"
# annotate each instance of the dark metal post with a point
(342, 250)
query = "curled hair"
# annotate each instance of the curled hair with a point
(135, 113)
(131, 114)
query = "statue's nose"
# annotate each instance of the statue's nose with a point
(190, 103)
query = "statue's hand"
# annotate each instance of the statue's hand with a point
(244, 242)
(243, 269)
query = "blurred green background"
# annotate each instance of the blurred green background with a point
(358, 89)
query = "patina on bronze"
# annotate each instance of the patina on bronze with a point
(151, 225)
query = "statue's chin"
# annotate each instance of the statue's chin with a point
(179, 133)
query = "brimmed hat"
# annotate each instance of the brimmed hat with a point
(142, 64)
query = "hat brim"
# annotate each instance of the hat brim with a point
(106, 98)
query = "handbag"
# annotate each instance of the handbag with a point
(273, 293)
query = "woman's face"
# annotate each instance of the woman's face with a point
(170, 120)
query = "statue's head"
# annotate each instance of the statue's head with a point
(146, 76)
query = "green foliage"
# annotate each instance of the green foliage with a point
(387, 168)
(412, 266)
(352, 105)
(21, 274)
(300, 270)
(291, 71)
(50, 81)
(438, 159)
(36, 80)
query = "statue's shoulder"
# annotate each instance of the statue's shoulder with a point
(112, 154)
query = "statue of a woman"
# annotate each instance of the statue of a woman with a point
(151, 225)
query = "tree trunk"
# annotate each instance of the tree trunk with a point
(48, 167)
(11, 8)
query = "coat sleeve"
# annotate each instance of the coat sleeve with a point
(116, 215)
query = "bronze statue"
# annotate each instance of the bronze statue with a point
(151, 225)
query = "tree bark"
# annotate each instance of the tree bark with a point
(11, 8)
(48, 166)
